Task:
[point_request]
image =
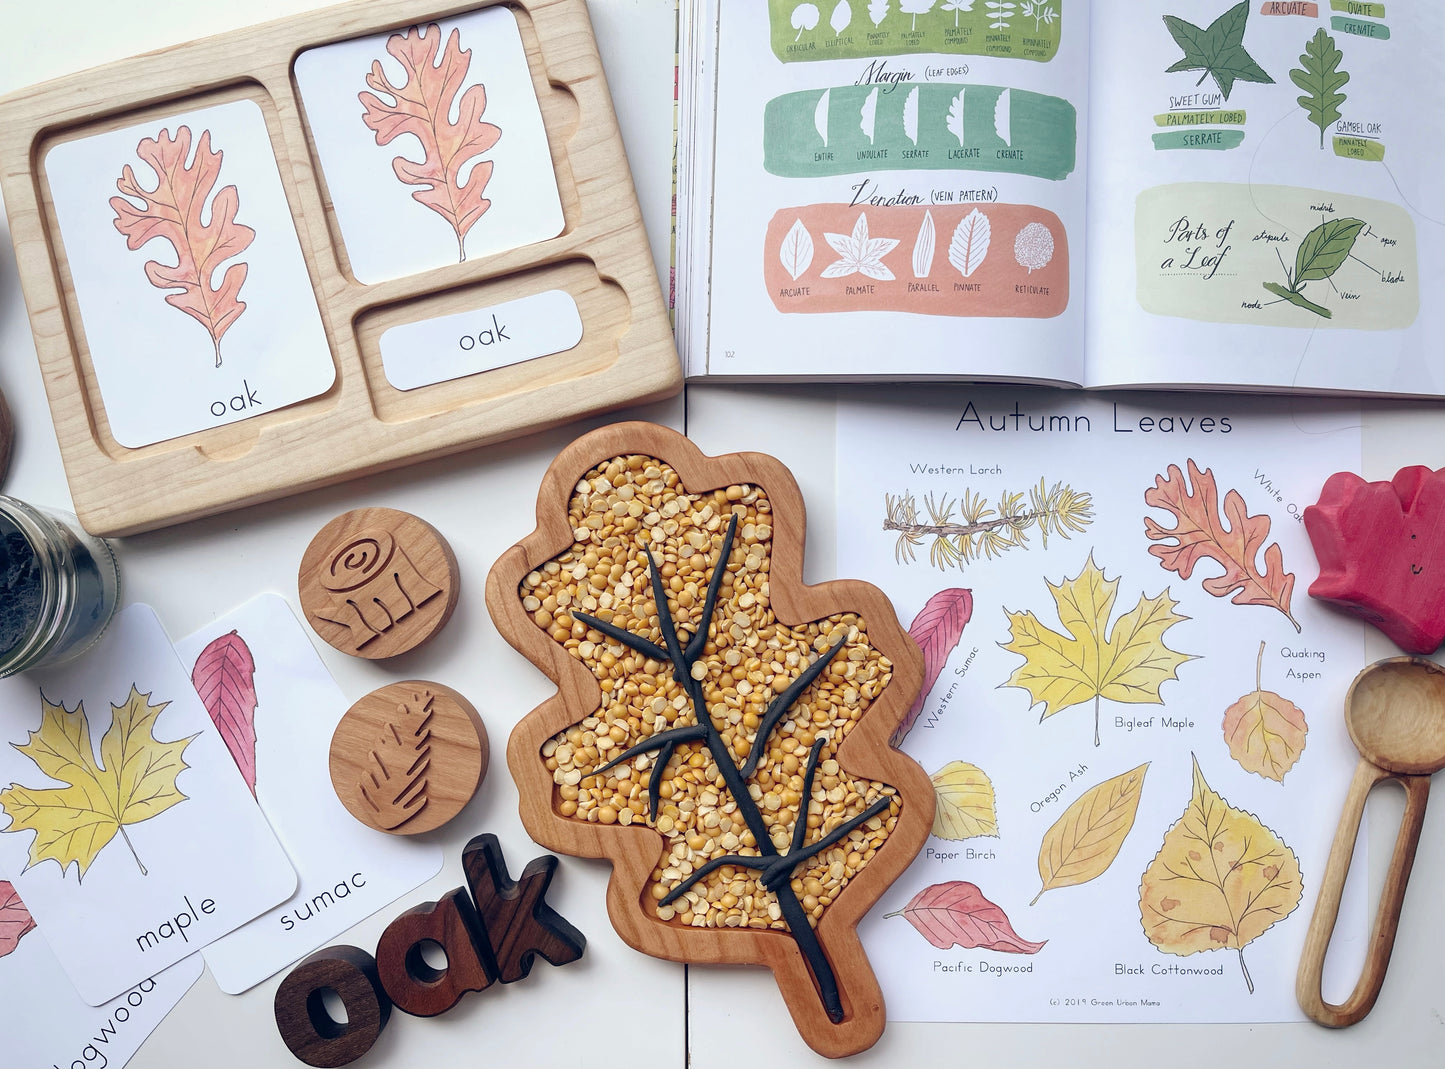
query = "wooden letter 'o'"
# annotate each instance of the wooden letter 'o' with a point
(301, 1017)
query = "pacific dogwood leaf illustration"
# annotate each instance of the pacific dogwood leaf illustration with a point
(1221, 879)
(1126, 663)
(957, 914)
(1084, 842)
(1218, 50)
(966, 807)
(134, 780)
(1320, 77)
(1266, 733)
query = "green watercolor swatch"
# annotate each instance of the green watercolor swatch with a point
(1360, 148)
(1216, 140)
(1376, 30)
(1200, 118)
(852, 29)
(1357, 7)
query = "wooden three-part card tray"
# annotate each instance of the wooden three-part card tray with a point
(326, 246)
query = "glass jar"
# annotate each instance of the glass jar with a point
(59, 587)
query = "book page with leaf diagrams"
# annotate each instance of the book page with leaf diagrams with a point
(897, 188)
(1266, 206)
(1132, 711)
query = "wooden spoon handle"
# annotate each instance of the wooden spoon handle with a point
(1387, 917)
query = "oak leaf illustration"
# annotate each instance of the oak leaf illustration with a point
(172, 211)
(225, 677)
(966, 807)
(1266, 733)
(1200, 532)
(1129, 665)
(956, 914)
(1084, 842)
(134, 781)
(422, 107)
(937, 628)
(394, 779)
(1221, 879)
(15, 919)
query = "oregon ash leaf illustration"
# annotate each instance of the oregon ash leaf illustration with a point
(860, 254)
(937, 628)
(1322, 252)
(1221, 879)
(841, 17)
(1320, 77)
(1266, 733)
(955, 117)
(1084, 842)
(985, 532)
(805, 17)
(394, 778)
(1218, 51)
(965, 803)
(15, 919)
(1003, 117)
(820, 115)
(422, 107)
(796, 252)
(225, 677)
(135, 781)
(1129, 666)
(923, 247)
(970, 243)
(956, 914)
(868, 115)
(172, 211)
(1200, 533)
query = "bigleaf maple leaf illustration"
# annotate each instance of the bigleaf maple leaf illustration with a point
(1217, 50)
(860, 254)
(136, 780)
(422, 107)
(172, 211)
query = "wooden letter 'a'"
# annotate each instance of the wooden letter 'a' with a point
(306, 1027)
(416, 986)
(515, 917)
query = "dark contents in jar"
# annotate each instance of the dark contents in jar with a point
(20, 576)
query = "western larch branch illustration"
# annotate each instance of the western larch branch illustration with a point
(982, 532)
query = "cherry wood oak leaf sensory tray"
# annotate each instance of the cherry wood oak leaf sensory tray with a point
(720, 731)
(272, 260)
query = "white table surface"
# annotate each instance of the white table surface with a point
(615, 1007)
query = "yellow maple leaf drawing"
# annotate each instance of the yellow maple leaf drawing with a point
(135, 781)
(1221, 879)
(1129, 665)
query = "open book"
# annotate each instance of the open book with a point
(1231, 195)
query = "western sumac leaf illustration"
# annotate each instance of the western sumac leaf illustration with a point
(868, 116)
(910, 115)
(1218, 51)
(956, 914)
(1322, 252)
(955, 117)
(1064, 670)
(805, 17)
(225, 677)
(985, 532)
(1200, 533)
(394, 780)
(923, 247)
(15, 919)
(916, 8)
(937, 628)
(1320, 77)
(820, 115)
(966, 807)
(172, 211)
(841, 17)
(1003, 117)
(136, 780)
(878, 11)
(1034, 247)
(970, 243)
(796, 252)
(1265, 732)
(1221, 879)
(1084, 842)
(859, 253)
(422, 107)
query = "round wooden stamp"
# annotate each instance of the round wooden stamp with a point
(378, 582)
(408, 757)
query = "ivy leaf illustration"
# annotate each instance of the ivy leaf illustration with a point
(1084, 842)
(1321, 79)
(394, 781)
(1217, 51)
(956, 914)
(225, 678)
(136, 780)
(860, 254)
(966, 808)
(15, 919)
(1266, 733)
(422, 107)
(1221, 879)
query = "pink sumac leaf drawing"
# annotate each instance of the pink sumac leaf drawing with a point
(937, 628)
(422, 106)
(173, 211)
(225, 678)
(15, 919)
(956, 914)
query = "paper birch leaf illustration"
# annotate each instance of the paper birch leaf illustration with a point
(1321, 79)
(1084, 842)
(842, 15)
(956, 914)
(859, 253)
(1034, 247)
(1221, 879)
(136, 780)
(937, 628)
(965, 802)
(955, 117)
(15, 919)
(970, 243)
(1002, 117)
(422, 107)
(1265, 732)
(878, 11)
(1200, 533)
(868, 115)
(910, 115)
(797, 250)
(225, 677)
(172, 211)
(393, 779)
(923, 247)
(820, 115)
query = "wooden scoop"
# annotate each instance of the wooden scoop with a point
(1395, 712)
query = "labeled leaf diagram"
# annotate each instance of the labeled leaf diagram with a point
(1084, 842)
(1217, 50)
(1265, 732)
(850, 29)
(1322, 252)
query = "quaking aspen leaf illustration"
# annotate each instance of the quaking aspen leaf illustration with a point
(225, 677)
(1128, 664)
(956, 914)
(937, 628)
(134, 781)
(965, 802)
(1266, 733)
(1221, 880)
(172, 211)
(422, 106)
(1084, 842)
(15, 919)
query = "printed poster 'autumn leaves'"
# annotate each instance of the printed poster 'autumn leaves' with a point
(1131, 717)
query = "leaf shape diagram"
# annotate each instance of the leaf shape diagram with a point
(15, 919)
(136, 780)
(860, 254)
(1320, 77)
(923, 246)
(1218, 51)
(1128, 666)
(422, 107)
(225, 677)
(937, 628)
(965, 802)
(172, 211)
(956, 914)
(394, 781)
(796, 252)
(1221, 879)
(970, 243)
(1266, 733)
(1084, 842)
(1200, 533)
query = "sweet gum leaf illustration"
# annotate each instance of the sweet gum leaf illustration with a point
(1320, 77)
(1064, 670)
(422, 106)
(1218, 51)
(937, 628)
(172, 211)
(1084, 842)
(225, 677)
(134, 781)
(1221, 879)
(15, 919)
(956, 914)
(1265, 732)
(966, 808)
(1200, 533)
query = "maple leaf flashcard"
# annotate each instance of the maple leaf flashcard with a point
(1218, 50)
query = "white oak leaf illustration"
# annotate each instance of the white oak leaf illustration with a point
(860, 254)
(842, 15)
(868, 115)
(970, 243)
(797, 250)
(923, 247)
(1002, 117)
(820, 115)
(910, 116)
(955, 117)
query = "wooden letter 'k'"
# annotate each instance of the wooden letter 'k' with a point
(515, 916)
